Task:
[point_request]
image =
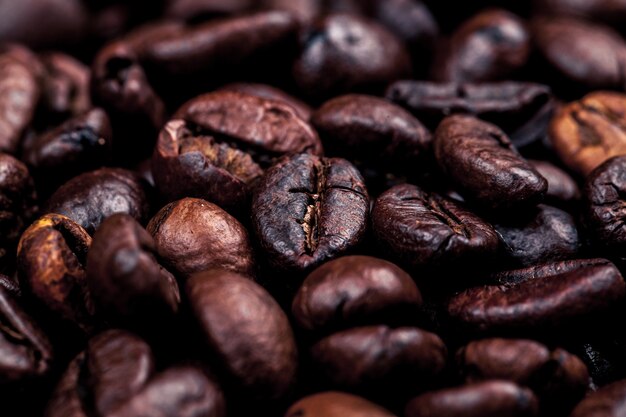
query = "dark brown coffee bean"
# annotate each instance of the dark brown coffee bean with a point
(51, 264)
(484, 399)
(372, 131)
(193, 235)
(336, 404)
(379, 358)
(521, 109)
(25, 351)
(481, 160)
(344, 53)
(587, 132)
(91, 197)
(608, 401)
(562, 188)
(426, 230)
(543, 234)
(18, 204)
(307, 210)
(244, 326)
(604, 10)
(193, 9)
(589, 54)
(545, 297)
(219, 143)
(123, 274)
(489, 46)
(272, 93)
(354, 290)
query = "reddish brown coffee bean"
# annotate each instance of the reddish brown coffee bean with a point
(608, 401)
(246, 328)
(605, 10)
(193, 235)
(336, 404)
(354, 290)
(561, 186)
(189, 9)
(272, 93)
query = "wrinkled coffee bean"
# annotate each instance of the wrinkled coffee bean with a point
(481, 160)
(483, 399)
(562, 188)
(539, 298)
(51, 260)
(307, 210)
(336, 404)
(425, 230)
(272, 93)
(343, 53)
(608, 401)
(246, 328)
(123, 274)
(489, 46)
(193, 235)
(372, 131)
(354, 290)
(587, 132)
(91, 197)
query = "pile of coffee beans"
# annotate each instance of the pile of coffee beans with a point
(312, 208)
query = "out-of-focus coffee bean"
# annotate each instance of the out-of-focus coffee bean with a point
(336, 404)
(608, 401)
(562, 188)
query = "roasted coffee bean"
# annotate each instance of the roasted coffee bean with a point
(244, 326)
(354, 290)
(604, 10)
(11, 286)
(378, 358)
(307, 210)
(523, 110)
(305, 11)
(272, 93)
(608, 401)
(219, 144)
(484, 399)
(18, 204)
(426, 230)
(540, 298)
(481, 160)
(194, 9)
(193, 235)
(587, 132)
(562, 189)
(489, 46)
(373, 131)
(588, 54)
(91, 197)
(123, 274)
(336, 404)
(543, 234)
(343, 53)
(51, 260)
(25, 351)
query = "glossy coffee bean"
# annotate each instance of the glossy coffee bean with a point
(336, 404)
(489, 46)
(272, 93)
(426, 230)
(51, 261)
(307, 210)
(481, 160)
(91, 197)
(244, 326)
(587, 132)
(344, 53)
(562, 188)
(485, 399)
(608, 401)
(124, 275)
(193, 235)
(373, 131)
(539, 298)
(354, 290)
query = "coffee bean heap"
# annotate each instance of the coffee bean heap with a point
(312, 208)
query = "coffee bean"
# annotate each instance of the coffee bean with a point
(372, 131)
(425, 230)
(608, 401)
(587, 132)
(489, 46)
(51, 260)
(484, 399)
(354, 290)
(244, 326)
(307, 210)
(272, 93)
(193, 235)
(193, 9)
(604, 10)
(481, 160)
(336, 404)
(539, 298)
(305, 11)
(91, 197)
(344, 53)
(562, 189)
